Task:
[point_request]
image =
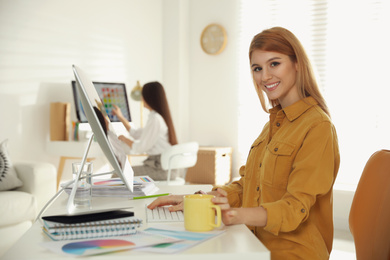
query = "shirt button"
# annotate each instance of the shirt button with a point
(276, 149)
(260, 165)
(277, 124)
(258, 188)
(303, 210)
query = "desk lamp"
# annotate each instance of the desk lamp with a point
(136, 94)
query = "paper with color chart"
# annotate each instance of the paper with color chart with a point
(188, 239)
(88, 247)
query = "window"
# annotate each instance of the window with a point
(347, 42)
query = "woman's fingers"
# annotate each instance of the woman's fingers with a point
(166, 200)
(179, 206)
(221, 199)
(221, 192)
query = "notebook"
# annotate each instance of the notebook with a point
(88, 217)
(87, 226)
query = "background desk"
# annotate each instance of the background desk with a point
(237, 242)
(213, 166)
(71, 150)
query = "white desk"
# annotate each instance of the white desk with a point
(237, 242)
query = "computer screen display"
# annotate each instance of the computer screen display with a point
(110, 94)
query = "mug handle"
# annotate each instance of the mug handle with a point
(218, 210)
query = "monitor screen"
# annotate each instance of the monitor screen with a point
(101, 127)
(110, 94)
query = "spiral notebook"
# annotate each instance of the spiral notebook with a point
(98, 225)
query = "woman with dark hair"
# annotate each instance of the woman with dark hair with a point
(284, 195)
(102, 120)
(157, 135)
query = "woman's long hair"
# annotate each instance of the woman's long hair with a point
(154, 95)
(281, 40)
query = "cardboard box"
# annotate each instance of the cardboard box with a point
(59, 121)
(214, 166)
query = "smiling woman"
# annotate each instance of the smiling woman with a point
(292, 165)
(284, 194)
(347, 57)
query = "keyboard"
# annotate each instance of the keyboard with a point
(162, 214)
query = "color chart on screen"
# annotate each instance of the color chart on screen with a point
(113, 94)
(110, 94)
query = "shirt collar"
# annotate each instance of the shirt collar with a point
(295, 110)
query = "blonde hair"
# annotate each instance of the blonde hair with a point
(281, 40)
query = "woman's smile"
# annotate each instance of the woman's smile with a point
(272, 86)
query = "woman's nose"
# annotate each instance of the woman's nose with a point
(266, 75)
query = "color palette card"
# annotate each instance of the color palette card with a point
(110, 95)
(187, 239)
(88, 247)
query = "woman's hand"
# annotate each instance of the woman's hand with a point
(256, 216)
(230, 215)
(116, 111)
(175, 200)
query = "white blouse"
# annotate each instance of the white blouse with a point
(153, 138)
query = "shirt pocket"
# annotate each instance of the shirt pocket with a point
(278, 163)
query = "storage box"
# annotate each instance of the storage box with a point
(59, 121)
(214, 166)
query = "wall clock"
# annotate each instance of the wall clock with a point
(213, 39)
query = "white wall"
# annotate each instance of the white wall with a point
(118, 41)
(207, 85)
(122, 41)
(176, 63)
(214, 78)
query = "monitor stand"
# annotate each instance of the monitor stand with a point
(70, 207)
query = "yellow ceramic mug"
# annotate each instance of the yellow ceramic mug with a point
(199, 215)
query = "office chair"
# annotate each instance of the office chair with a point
(369, 217)
(179, 156)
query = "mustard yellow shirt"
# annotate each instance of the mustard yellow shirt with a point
(290, 172)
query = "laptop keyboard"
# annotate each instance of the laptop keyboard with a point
(162, 214)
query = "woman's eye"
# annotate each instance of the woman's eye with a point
(274, 64)
(256, 69)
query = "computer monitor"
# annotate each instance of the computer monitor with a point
(108, 143)
(110, 94)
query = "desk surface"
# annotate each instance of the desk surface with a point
(236, 242)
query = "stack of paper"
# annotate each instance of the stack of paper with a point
(143, 186)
